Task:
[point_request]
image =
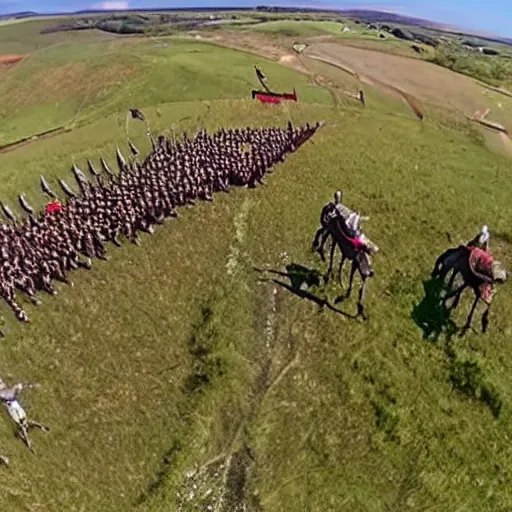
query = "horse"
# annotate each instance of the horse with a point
(479, 272)
(350, 250)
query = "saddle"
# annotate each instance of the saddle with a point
(481, 264)
(356, 242)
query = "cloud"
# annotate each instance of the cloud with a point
(111, 6)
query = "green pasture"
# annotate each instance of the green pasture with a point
(24, 36)
(297, 28)
(71, 84)
(180, 353)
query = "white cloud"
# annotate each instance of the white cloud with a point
(111, 6)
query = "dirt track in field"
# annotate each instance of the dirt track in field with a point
(422, 80)
(418, 82)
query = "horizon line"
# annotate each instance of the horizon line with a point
(439, 24)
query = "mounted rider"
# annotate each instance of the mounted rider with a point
(483, 264)
(340, 209)
(481, 241)
(351, 222)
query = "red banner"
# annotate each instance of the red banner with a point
(53, 207)
(273, 98)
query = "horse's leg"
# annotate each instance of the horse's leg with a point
(471, 313)
(451, 282)
(331, 259)
(454, 293)
(316, 240)
(342, 261)
(325, 237)
(360, 305)
(485, 319)
(351, 281)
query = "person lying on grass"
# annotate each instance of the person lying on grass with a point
(17, 413)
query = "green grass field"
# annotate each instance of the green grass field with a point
(298, 28)
(302, 409)
(66, 85)
(23, 37)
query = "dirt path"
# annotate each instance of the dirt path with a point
(419, 79)
(499, 90)
(27, 140)
(507, 143)
(372, 81)
(416, 81)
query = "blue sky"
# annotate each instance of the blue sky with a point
(492, 16)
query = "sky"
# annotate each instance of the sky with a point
(490, 16)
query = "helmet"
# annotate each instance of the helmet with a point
(338, 196)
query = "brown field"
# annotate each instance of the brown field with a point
(389, 47)
(421, 80)
(271, 46)
(393, 69)
(8, 60)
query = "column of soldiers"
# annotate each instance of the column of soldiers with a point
(110, 206)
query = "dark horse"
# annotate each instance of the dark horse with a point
(479, 272)
(349, 251)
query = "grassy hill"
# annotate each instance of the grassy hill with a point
(65, 85)
(298, 28)
(302, 409)
(24, 36)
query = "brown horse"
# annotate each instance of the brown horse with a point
(463, 260)
(360, 260)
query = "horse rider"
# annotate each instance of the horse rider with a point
(481, 241)
(340, 209)
(330, 211)
(351, 220)
(353, 224)
(17, 413)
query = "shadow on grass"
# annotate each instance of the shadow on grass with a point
(301, 280)
(431, 315)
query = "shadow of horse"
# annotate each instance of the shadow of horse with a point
(301, 281)
(431, 315)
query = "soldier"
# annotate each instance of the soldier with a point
(481, 240)
(41, 248)
(10, 397)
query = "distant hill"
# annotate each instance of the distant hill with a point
(368, 16)
(389, 17)
(18, 15)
